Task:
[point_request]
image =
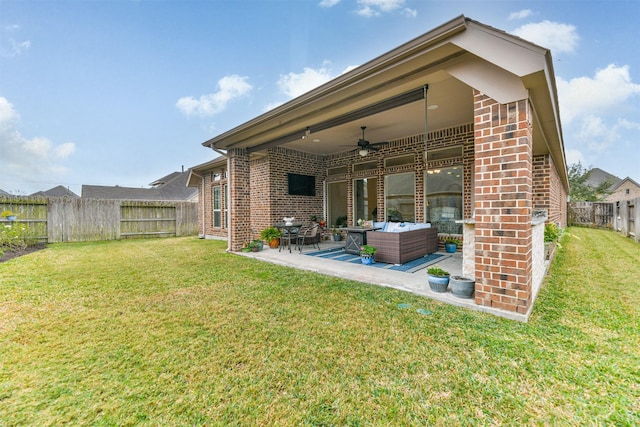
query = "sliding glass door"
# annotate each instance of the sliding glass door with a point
(365, 198)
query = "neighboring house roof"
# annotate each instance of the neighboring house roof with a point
(58, 191)
(4, 193)
(171, 187)
(598, 176)
(624, 181)
(390, 95)
(195, 173)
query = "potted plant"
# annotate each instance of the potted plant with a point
(337, 235)
(322, 222)
(451, 244)
(366, 254)
(271, 235)
(10, 216)
(438, 278)
(462, 287)
(255, 245)
(313, 218)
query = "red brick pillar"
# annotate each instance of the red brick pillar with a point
(503, 203)
(239, 198)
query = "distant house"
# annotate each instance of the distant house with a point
(626, 189)
(620, 189)
(170, 187)
(58, 191)
(4, 193)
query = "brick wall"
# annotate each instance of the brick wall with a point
(548, 191)
(240, 198)
(503, 203)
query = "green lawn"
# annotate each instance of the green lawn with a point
(178, 332)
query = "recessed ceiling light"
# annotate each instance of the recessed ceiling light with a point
(432, 107)
(316, 140)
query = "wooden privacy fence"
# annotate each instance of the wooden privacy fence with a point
(62, 219)
(591, 214)
(622, 216)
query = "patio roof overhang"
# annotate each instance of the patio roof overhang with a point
(387, 95)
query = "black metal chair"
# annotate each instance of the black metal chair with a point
(309, 236)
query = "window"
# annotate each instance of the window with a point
(365, 199)
(409, 159)
(337, 203)
(399, 197)
(339, 170)
(444, 198)
(217, 213)
(365, 166)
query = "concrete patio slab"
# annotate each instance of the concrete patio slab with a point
(416, 283)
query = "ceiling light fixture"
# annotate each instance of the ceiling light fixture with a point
(363, 152)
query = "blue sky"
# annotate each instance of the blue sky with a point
(123, 92)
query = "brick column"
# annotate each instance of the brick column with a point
(503, 203)
(240, 198)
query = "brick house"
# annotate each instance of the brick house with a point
(472, 144)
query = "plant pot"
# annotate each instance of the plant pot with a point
(462, 287)
(438, 283)
(450, 248)
(255, 248)
(274, 243)
(366, 259)
(337, 237)
(11, 217)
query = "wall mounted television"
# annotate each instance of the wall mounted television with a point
(302, 185)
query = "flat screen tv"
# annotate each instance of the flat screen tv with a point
(302, 185)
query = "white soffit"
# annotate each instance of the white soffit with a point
(511, 53)
(489, 79)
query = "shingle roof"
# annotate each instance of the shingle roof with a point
(597, 176)
(58, 191)
(170, 187)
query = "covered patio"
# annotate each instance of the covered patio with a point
(458, 128)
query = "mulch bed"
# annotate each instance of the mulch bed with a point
(14, 254)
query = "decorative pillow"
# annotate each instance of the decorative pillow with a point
(381, 225)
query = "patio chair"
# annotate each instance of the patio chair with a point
(309, 236)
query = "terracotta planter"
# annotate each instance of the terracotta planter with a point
(274, 243)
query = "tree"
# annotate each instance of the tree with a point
(581, 191)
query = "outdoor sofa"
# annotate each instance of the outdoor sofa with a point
(400, 242)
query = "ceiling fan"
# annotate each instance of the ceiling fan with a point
(364, 146)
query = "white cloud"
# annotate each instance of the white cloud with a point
(574, 156)
(328, 3)
(521, 14)
(293, 84)
(411, 13)
(608, 89)
(229, 88)
(25, 159)
(370, 8)
(555, 36)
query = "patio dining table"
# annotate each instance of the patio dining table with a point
(286, 231)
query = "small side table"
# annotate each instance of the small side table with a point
(356, 238)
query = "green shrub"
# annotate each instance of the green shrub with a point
(16, 237)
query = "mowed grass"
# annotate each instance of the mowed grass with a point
(179, 332)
